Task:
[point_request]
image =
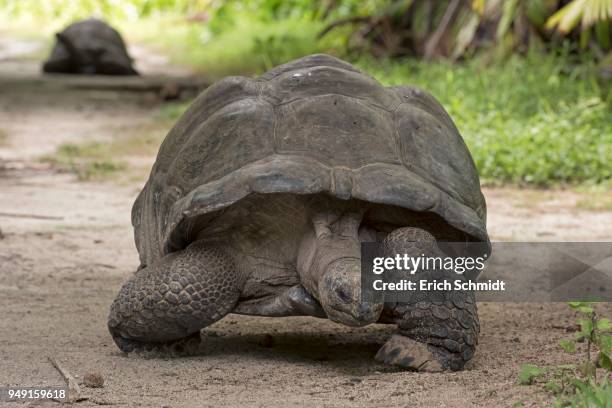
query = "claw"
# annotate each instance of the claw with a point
(182, 347)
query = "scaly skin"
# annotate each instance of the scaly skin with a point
(175, 298)
(437, 330)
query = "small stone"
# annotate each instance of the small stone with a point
(93, 380)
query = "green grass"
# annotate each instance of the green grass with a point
(88, 161)
(525, 121)
(97, 160)
(171, 111)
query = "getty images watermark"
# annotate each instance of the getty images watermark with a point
(505, 272)
(403, 264)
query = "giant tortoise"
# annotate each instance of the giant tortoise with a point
(89, 47)
(263, 191)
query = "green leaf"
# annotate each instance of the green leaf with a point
(529, 373)
(586, 327)
(508, 16)
(591, 394)
(604, 325)
(604, 342)
(537, 11)
(589, 397)
(579, 384)
(585, 12)
(466, 35)
(602, 32)
(604, 361)
(576, 305)
(568, 345)
(478, 6)
(568, 17)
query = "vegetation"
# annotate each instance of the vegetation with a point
(520, 78)
(102, 160)
(242, 45)
(526, 121)
(577, 385)
(88, 161)
(445, 28)
(599, 199)
(456, 29)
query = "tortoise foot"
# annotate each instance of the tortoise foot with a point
(409, 354)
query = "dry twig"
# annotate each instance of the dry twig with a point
(74, 391)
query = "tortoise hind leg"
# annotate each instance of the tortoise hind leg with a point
(174, 298)
(438, 330)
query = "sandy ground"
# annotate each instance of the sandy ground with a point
(68, 246)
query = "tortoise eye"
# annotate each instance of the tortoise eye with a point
(343, 294)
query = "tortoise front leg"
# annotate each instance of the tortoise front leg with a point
(438, 330)
(174, 298)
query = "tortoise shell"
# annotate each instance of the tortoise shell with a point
(316, 125)
(89, 46)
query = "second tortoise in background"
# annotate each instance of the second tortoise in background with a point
(89, 47)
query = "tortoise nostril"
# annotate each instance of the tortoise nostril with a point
(364, 309)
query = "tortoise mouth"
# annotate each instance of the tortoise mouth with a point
(354, 314)
(367, 315)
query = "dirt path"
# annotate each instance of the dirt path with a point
(68, 247)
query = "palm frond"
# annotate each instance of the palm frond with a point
(585, 12)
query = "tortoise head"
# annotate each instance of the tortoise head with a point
(330, 268)
(341, 297)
